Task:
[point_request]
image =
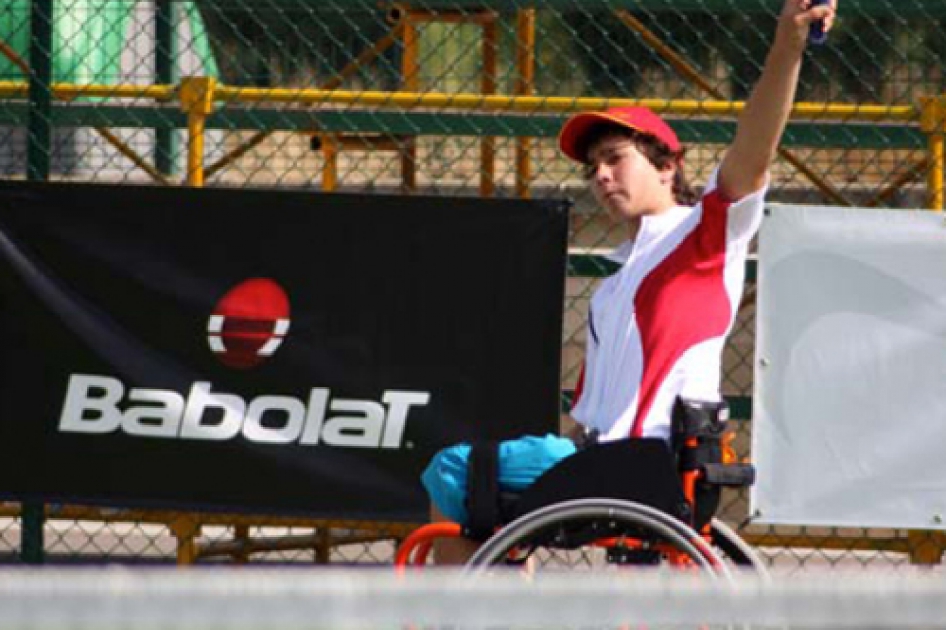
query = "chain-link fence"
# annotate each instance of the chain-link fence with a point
(452, 98)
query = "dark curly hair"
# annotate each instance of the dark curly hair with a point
(656, 152)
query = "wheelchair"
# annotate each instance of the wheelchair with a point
(631, 502)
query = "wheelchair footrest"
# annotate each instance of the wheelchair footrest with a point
(730, 475)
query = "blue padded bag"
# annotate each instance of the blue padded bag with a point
(521, 462)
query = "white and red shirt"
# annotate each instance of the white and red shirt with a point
(657, 327)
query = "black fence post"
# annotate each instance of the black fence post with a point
(165, 52)
(38, 160)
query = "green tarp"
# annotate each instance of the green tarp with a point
(90, 35)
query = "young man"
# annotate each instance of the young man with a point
(657, 327)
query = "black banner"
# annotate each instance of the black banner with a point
(267, 351)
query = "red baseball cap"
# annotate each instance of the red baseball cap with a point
(638, 119)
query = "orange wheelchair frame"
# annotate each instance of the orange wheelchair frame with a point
(636, 522)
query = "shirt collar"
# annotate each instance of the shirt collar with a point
(622, 252)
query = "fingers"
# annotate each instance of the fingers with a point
(832, 13)
(799, 17)
(812, 11)
(825, 13)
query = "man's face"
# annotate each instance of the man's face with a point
(624, 181)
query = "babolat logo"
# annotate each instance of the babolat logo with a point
(100, 404)
(249, 323)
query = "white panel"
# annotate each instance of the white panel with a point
(849, 425)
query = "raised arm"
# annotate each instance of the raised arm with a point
(763, 120)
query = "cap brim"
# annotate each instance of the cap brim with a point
(577, 127)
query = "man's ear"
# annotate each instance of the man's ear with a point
(667, 173)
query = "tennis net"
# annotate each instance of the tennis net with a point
(342, 599)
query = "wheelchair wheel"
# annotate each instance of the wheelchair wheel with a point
(736, 550)
(596, 533)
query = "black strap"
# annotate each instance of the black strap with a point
(482, 493)
(731, 475)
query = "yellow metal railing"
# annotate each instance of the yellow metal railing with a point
(198, 97)
(470, 101)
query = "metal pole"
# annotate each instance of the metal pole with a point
(330, 147)
(197, 99)
(165, 49)
(39, 121)
(488, 86)
(937, 172)
(525, 85)
(38, 154)
(933, 123)
(410, 77)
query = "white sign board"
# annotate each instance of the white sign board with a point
(849, 419)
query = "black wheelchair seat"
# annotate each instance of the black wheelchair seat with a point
(641, 470)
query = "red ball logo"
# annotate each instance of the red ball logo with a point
(249, 323)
